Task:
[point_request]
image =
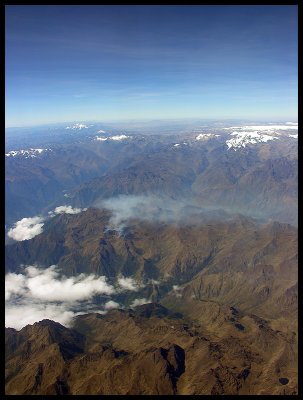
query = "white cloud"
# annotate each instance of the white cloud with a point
(66, 210)
(128, 284)
(19, 315)
(14, 285)
(43, 293)
(139, 302)
(110, 305)
(46, 284)
(26, 228)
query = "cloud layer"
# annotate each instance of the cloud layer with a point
(43, 293)
(38, 293)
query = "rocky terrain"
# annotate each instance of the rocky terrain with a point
(152, 351)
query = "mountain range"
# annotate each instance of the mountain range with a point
(153, 264)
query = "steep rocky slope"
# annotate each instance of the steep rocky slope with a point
(152, 351)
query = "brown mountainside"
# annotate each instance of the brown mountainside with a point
(236, 261)
(153, 351)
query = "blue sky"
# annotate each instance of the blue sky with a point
(109, 63)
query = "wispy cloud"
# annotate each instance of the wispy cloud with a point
(154, 208)
(139, 302)
(129, 283)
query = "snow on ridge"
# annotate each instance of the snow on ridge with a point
(268, 128)
(119, 137)
(241, 139)
(77, 126)
(205, 136)
(293, 136)
(101, 131)
(116, 138)
(30, 153)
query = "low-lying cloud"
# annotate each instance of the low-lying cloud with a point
(66, 210)
(129, 284)
(111, 305)
(26, 228)
(19, 315)
(48, 285)
(154, 208)
(38, 294)
(42, 293)
(139, 302)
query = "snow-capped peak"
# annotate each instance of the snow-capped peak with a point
(77, 126)
(206, 136)
(268, 128)
(241, 139)
(116, 138)
(119, 137)
(30, 153)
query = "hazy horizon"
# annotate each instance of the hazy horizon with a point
(150, 120)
